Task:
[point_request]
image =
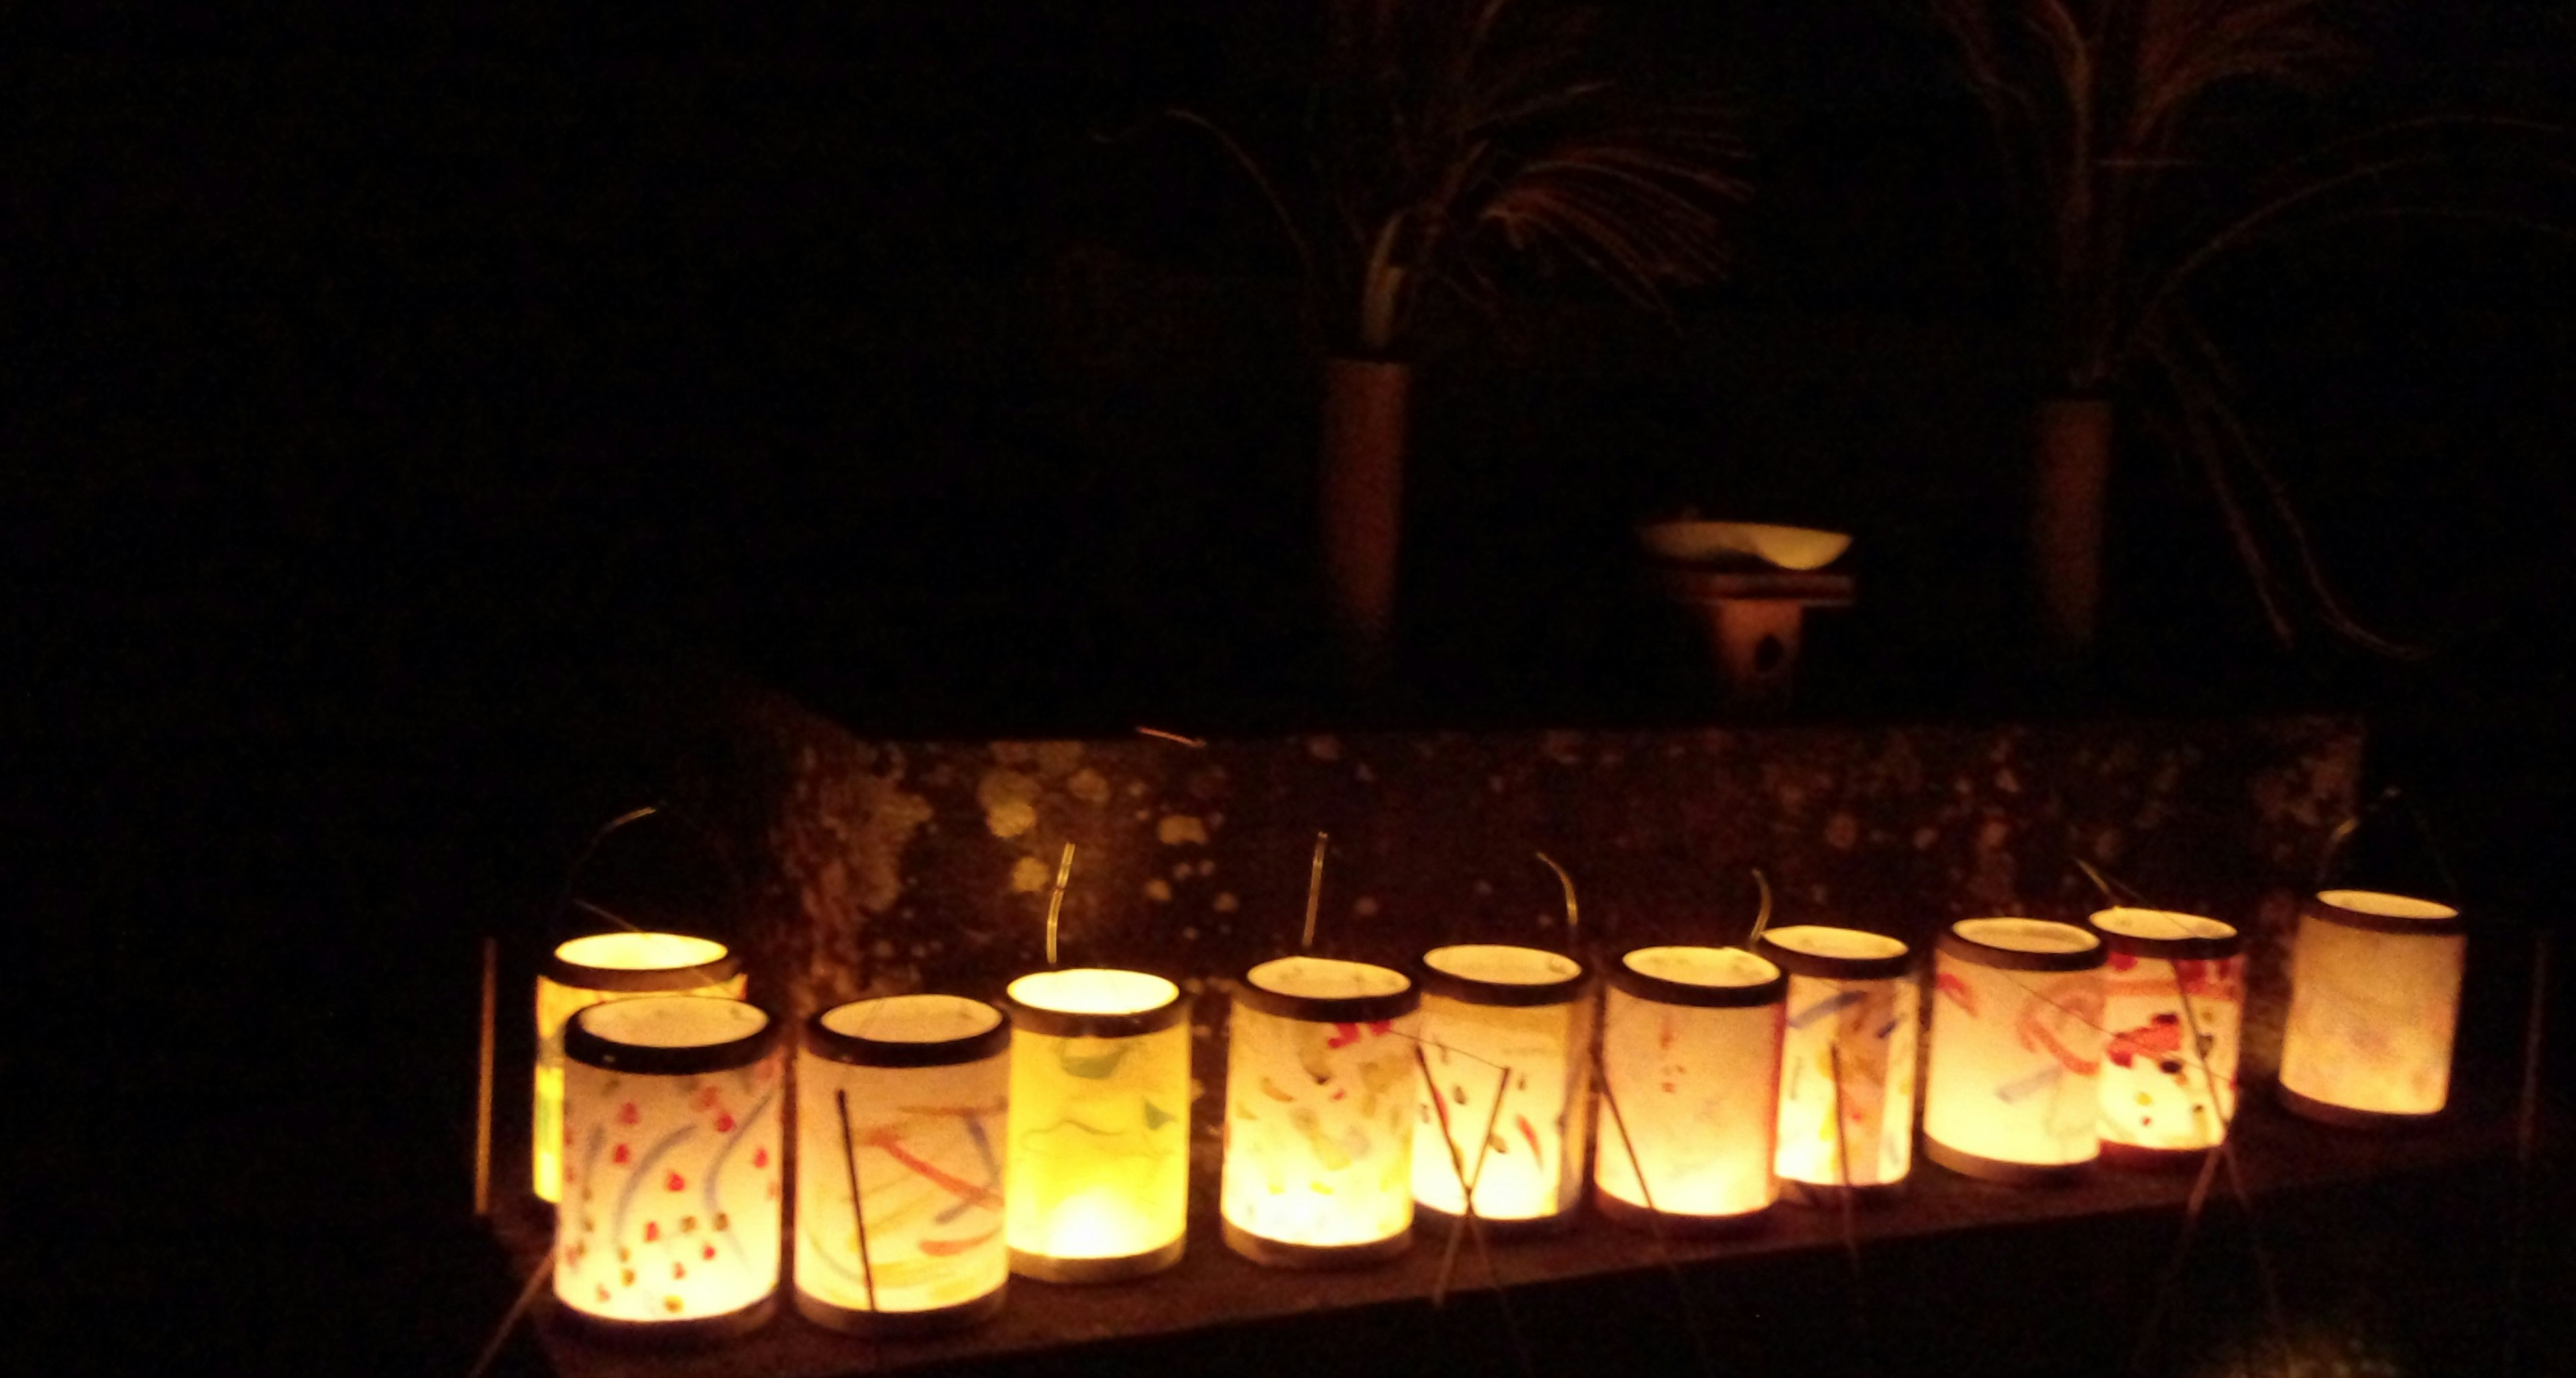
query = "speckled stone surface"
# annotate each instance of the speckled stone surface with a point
(900, 866)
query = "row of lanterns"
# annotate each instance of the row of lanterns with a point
(1357, 1095)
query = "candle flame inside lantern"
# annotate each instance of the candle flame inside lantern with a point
(1100, 1105)
(1531, 1163)
(2374, 1004)
(612, 960)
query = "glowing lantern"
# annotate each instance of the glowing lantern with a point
(2169, 1071)
(1100, 1125)
(1321, 1089)
(2016, 1050)
(1690, 1052)
(669, 1223)
(602, 967)
(904, 1101)
(1847, 1059)
(1486, 1008)
(2374, 1003)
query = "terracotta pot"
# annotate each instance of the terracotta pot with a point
(1367, 420)
(2071, 472)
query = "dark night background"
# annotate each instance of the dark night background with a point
(393, 396)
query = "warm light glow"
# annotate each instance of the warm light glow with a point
(2016, 1046)
(1847, 1060)
(1321, 1089)
(1696, 1083)
(2374, 1004)
(1099, 1148)
(1531, 1164)
(2169, 1069)
(670, 1216)
(675, 956)
(928, 1143)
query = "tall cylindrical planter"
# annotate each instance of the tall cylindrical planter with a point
(2011, 1093)
(1847, 1061)
(902, 1112)
(1368, 406)
(1488, 1007)
(1099, 1162)
(669, 1226)
(593, 970)
(1321, 1091)
(2374, 1006)
(2071, 476)
(1690, 1058)
(2173, 1001)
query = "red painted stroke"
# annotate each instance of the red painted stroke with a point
(949, 1248)
(954, 1185)
(1958, 991)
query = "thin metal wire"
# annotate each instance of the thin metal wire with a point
(1055, 902)
(1467, 1219)
(1573, 908)
(1762, 918)
(1850, 1213)
(510, 1319)
(1654, 1218)
(1314, 889)
(858, 1206)
(1198, 742)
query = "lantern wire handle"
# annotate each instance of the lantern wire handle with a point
(1573, 910)
(537, 1277)
(1055, 902)
(1761, 919)
(1197, 742)
(2107, 885)
(1467, 1179)
(1654, 1217)
(1850, 1205)
(1468, 1219)
(858, 1210)
(1314, 889)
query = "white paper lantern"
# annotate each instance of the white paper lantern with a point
(1321, 1092)
(2012, 1094)
(1690, 1049)
(602, 967)
(926, 1080)
(1486, 1007)
(1100, 1125)
(2173, 1002)
(669, 1225)
(1847, 1060)
(2374, 1006)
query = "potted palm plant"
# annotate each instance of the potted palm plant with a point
(2101, 106)
(1443, 137)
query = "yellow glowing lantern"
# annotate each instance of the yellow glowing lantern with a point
(1690, 1059)
(1321, 1091)
(2374, 1004)
(2010, 1094)
(603, 967)
(1100, 1125)
(669, 1223)
(1847, 1058)
(1487, 1008)
(902, 1113)
(2173, 1005)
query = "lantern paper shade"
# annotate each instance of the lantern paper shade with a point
(1690, 1054)
(926, 1079)
(1100, 1120)
(669, 1223)
(2374, 1003)
(1847, 1058)
(602, 967)
(1486, 1008)
(2173, 1001)
(2011, 1091)
(1321, 1092)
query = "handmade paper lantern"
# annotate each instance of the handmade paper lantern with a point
(2016, 1050)
(602, 967)
(2173, 1003)
(669, 1223)
(1690, 1056)
(1486, 1008)
(902, 1107)
(1321, 1091)
(2374, 1003)
(1100, 1121)
(1847, 1058)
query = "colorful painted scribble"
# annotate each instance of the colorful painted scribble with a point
(2014, 1063)
(928, 1144)
(1099, 1143)
(1319, 1129)
(1847, 1081)
(1696, 1089)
